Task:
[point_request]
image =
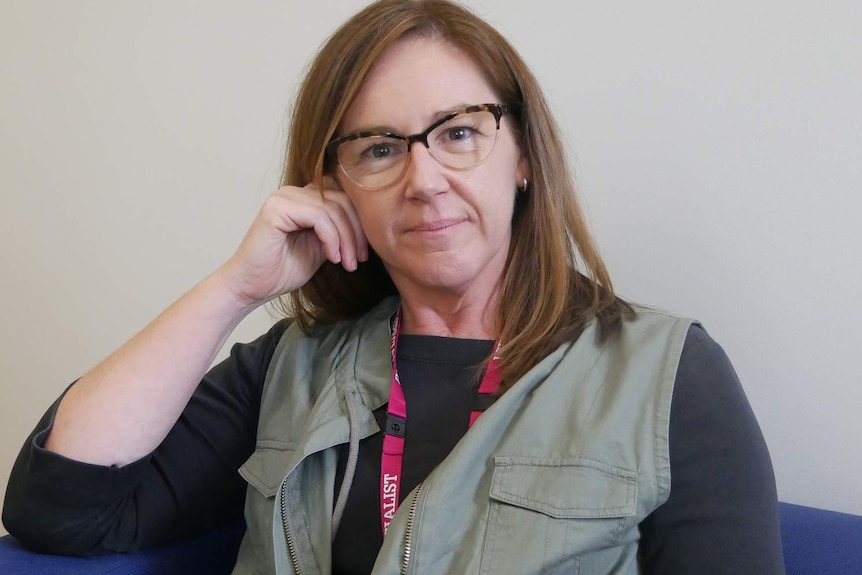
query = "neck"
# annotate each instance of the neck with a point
(454, 316)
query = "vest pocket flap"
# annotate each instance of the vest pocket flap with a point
(268, 466)
(565, 488)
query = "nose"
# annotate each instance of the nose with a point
(425, 176)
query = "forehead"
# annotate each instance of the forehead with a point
(413, 81)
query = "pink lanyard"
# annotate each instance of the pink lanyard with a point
(396, 422)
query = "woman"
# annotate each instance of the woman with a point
(427, 238)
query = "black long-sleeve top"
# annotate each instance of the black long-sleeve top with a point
(721, 516)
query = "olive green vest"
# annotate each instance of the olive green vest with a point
(553, 478)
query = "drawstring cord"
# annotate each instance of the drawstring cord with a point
(350, 470)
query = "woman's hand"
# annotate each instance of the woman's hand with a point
(296, 230)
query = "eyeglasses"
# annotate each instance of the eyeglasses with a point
(461, 140)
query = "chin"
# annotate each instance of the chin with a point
(446, 276)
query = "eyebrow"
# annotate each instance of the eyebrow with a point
(435, 117)
(452, 110)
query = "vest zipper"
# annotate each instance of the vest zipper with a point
(408, 533)
(291, 549)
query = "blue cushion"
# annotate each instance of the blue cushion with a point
(211, 554)
(819, 542)
(816, 542)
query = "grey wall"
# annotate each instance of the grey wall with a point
(718, 147)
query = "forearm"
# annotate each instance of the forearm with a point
(122, 409)
(57, 505)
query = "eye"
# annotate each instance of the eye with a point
(378, 151)
(457, 133)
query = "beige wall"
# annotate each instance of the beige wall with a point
(718, 147)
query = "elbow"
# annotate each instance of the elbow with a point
(47, 532)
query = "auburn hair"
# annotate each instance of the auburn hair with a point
(555, 280)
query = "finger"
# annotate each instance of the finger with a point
(352, 244)
(344, 200)
(295, 214)
(360, 240)
(336, 207)
(346, 227)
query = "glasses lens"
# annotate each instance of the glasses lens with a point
(460, 143)
(374, 161)
(465, 141)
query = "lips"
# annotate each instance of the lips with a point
(434, 226)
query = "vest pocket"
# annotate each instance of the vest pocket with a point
(547, 512)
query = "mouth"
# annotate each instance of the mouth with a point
(436, 226)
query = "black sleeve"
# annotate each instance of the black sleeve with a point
(189, 484)
(722, 513)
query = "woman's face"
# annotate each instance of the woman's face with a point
(436, 228)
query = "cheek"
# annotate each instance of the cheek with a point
(373, 217)
(358, 198)
(499, 197)
(373, 225)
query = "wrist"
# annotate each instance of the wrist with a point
(226, 296)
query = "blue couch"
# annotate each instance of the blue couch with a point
(816, 542)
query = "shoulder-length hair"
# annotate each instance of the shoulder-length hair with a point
(555, 281)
